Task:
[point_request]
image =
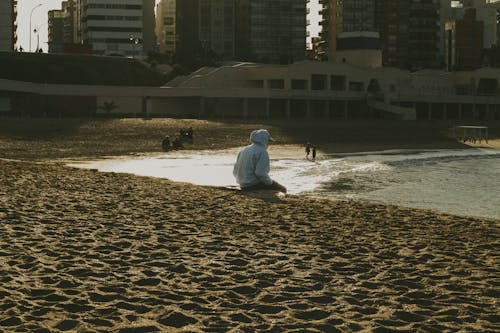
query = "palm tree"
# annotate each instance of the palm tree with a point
(108, 107)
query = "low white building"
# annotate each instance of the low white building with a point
(307, 89)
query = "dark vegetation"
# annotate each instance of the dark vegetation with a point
(77, 69)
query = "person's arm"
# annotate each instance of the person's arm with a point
(236, 166)
(262, 169)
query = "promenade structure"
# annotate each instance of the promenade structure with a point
(123, 27)
(309, 89)
(8, 25)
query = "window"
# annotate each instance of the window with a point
(276, 84)
(338, 82)
(318, 82)
(299, 84)
(356, 86)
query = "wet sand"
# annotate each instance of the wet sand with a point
(84, 251)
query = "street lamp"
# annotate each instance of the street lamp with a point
(31, 14)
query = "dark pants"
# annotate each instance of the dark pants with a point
(275, 186)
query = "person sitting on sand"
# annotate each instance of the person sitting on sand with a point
(165, 144)
(177, 144)
(252, 165)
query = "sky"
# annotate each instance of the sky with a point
(38, 21)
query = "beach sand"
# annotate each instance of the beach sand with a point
(85, 251)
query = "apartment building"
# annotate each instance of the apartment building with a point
(331, 25)
(464, 42)
(69, 22)
(423, 35)
(217, 26)
(8, 25)
(358, 15)
(123, 27)
(177, 27)
(271, 31)
(55, 30)
(252, 30)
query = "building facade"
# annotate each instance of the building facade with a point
(331, 25)
(8, 25)
(423, 35)
(358, 15)
(177, 28)
(271, 31)
(70, 30)
(464, 42)
(124, 27)
(217, 27)
(55, 30)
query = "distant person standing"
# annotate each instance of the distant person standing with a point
(251, 169)
(314, 153)
(308, 149)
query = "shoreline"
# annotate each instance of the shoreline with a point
(153, 164)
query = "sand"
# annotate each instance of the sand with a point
(84, 251)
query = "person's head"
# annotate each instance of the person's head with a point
(261, 137)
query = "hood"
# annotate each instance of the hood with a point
(260, 136)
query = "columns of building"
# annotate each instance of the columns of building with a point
(202, 107)
(245, 108)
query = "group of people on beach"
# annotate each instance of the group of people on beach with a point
(310, 149)
(184, 135)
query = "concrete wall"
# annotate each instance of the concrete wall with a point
(121, 105)
(184, 107)
(5, 106)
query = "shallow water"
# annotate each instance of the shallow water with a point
(463, 182)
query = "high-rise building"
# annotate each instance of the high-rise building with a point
(464, 42)
(411, 33)
(257, 30)
(55, 25)
(423, 35)
(271, 31)
(177, 27)
(217, 27)
(69, 21)
(358, 15)
(8, 25)
(331, 25)
(117, 27)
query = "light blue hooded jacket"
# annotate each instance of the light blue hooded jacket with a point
(252, 164)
